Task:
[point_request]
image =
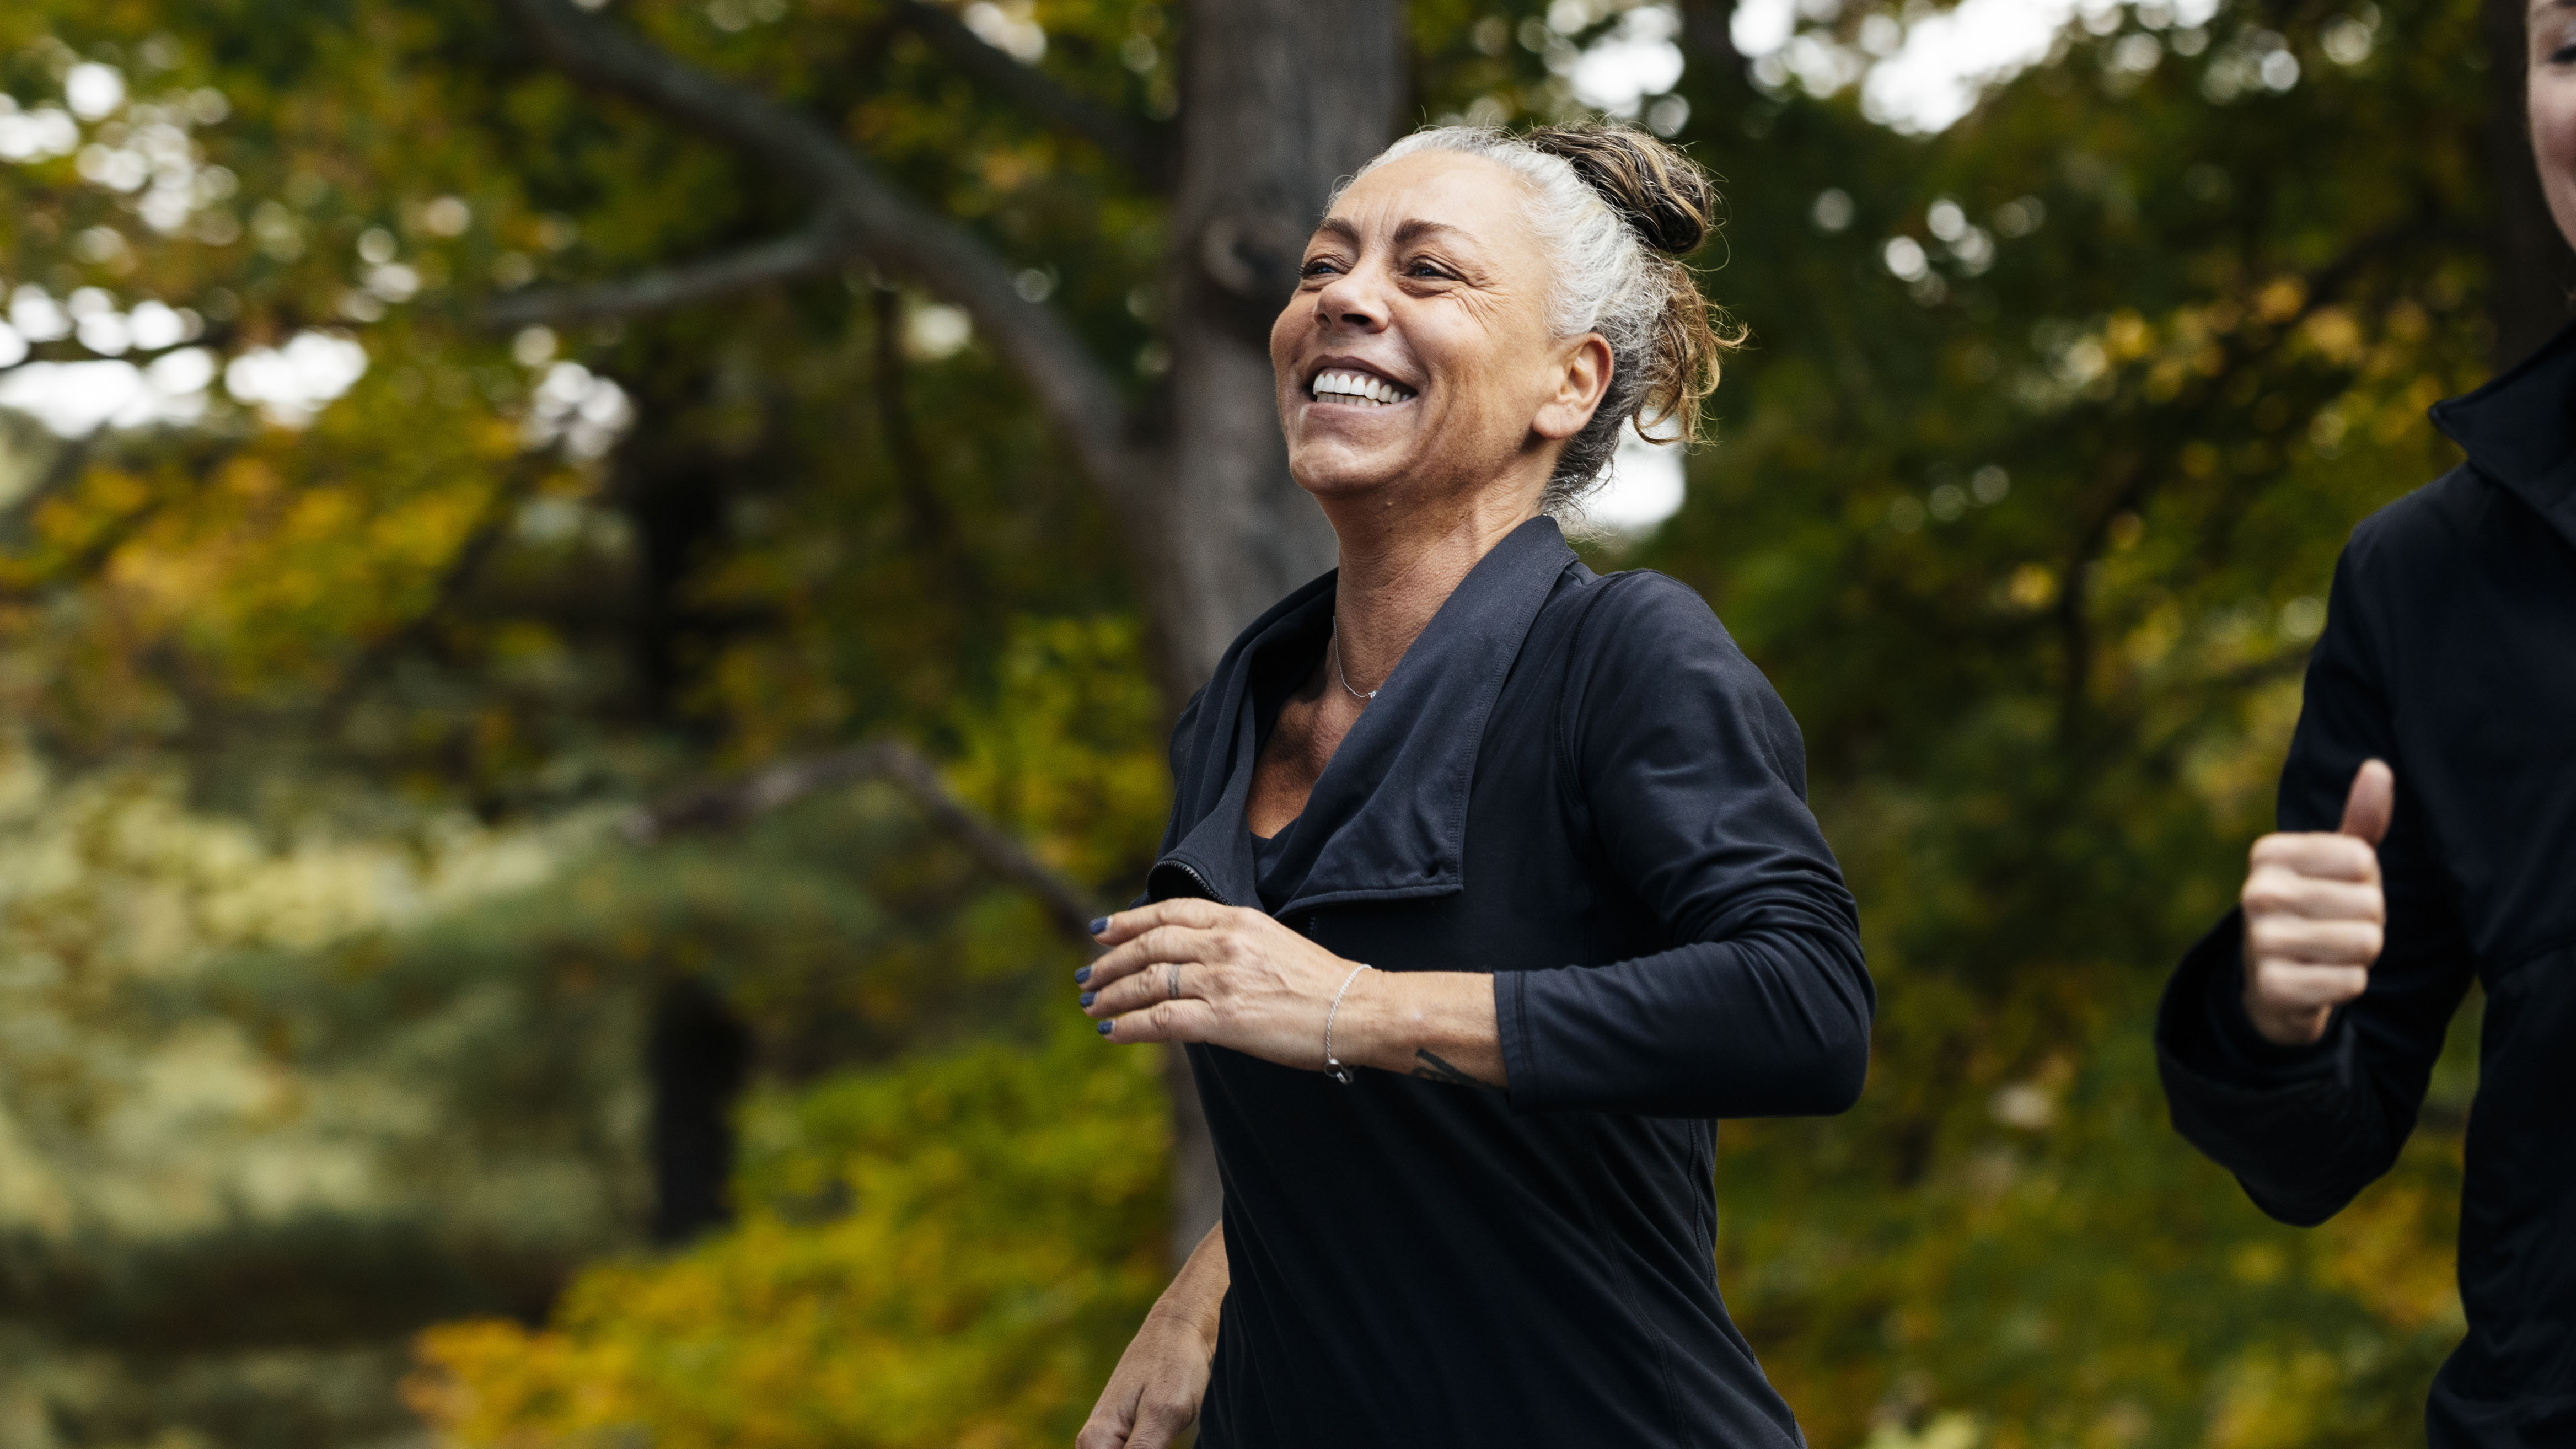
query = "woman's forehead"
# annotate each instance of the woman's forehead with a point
(1471, 195)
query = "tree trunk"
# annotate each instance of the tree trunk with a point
(2532, 268)
(1280, 99)
(697, 1056)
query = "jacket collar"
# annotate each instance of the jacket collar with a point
(1394, 795)
(2520, 430)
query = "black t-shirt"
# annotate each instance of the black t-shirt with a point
(1268, 856)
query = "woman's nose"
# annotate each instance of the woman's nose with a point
(1352, 300)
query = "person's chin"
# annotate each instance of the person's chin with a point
(1331, 473)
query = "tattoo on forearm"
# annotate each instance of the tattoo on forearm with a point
(1432, 1069)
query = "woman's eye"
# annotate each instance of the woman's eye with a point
(1318, 267)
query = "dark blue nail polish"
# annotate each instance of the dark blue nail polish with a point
(1104, 1026)
(1099, 924)
(1081, 976)
(1089, 997)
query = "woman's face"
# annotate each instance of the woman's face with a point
(1415, 359)
(2551, 87)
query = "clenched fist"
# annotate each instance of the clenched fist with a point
(2315, 915)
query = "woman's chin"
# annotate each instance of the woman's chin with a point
(1331, 468)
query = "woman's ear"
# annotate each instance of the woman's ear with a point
(1580, 386)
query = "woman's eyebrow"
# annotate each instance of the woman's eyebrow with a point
(1339, 230)
(1417, 229)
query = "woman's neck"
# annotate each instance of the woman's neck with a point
(1399, 567)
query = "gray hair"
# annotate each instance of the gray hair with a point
(1615, 209)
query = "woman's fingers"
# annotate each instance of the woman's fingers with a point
(1188, 1019)
(1160, 1420)
(1156, 946)
(1150, 1410)
(1129, 990)
(1153, 983)
(2277, 890)
(2315, 920)
(1125, 926)
(2318, 854)
(1103, 1430)
(1173, 931)
(2297, 986)
(2315, 943)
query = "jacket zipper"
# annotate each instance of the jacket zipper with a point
(1196, 879)
(1212, 893)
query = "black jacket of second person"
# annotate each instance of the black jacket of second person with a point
(2450, 652)
(1580, 785)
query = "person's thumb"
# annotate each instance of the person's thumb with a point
(2372, 801)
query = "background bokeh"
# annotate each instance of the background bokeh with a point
(392, 1053)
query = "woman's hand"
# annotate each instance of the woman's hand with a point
(1192, 970)
(1153, 1395)
(1196, 971)
(2315, 915)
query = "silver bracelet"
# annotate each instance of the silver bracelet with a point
(1333, 1067)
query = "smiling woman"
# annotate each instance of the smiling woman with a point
(1490, 882)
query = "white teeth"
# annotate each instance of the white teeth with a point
(1358, 387)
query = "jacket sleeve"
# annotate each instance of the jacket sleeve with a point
(1691, 778)
(2306, 1128)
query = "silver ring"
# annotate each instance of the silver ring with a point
(1174, 993)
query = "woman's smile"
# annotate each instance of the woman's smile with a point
(1345, 385)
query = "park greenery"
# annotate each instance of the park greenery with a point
(340, 657)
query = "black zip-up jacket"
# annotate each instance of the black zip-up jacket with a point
(1581, 786)
(2450, 652)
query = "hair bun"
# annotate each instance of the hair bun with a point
(1661, 192)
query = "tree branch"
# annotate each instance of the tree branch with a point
(819, 248)
(1146, 150)
(859, 214)
(89, 560)
(213, 339)
(717, 807)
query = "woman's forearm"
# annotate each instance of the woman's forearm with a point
(1154, 1394)
(1197, 1293)
(1437, 1025)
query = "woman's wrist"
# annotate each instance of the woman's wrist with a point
(1437, 1025)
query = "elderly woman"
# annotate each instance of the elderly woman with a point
(1490, 881)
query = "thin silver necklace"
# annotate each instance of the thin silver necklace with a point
(1343, 679)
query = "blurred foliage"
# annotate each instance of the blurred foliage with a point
(325, 973)
(953, 1251)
